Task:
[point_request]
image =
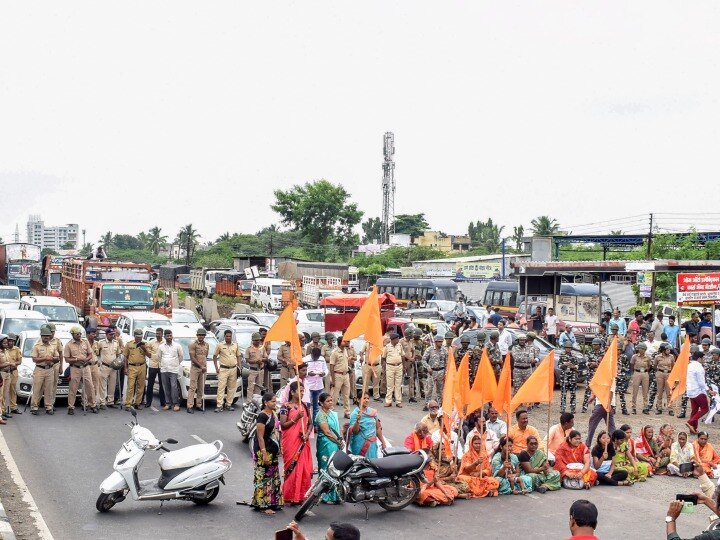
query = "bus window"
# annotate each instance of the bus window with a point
(513, 299)
(411, 292)
(403, 293)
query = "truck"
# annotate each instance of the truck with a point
(16, 265)
(101, 290)
(169, 276)
(294, 271)
(315, 288)
(232, 283)
(340, 310)
(204, 280)
(46, 278)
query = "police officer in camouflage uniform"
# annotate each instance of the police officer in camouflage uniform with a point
(593, 361)
(524, 358)
(622, 380)
(710, 360)
(476, 355)
(419, 345)
(494, 353)
(434, 361)
(568, 365)
(464, 348)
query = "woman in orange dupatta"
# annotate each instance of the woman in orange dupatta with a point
(573, 450)
(706, 453)
(296, 427)
(437, 491)
(475, 469)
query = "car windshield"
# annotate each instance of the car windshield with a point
(184, 317)
(266, 319)
(55, 280)
(443, 305)
(126, 295)
(58, 313)
(30, 342)
(243, 339)
(9, 294)
(142, 323)
(276, 289)
(186, 341)
(15, 326)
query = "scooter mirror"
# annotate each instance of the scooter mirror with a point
(171, 441)
(133, 412)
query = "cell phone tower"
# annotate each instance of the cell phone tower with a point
(388, 187)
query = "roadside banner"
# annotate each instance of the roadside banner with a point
(698, 289)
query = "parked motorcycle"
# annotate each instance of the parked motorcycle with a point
(248, 416)
(192, 473)
(392, 481)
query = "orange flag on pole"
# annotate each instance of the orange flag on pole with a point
(484, 386)
(448, 401)
(540, 385)
(367, 323)
(462, 384)
(678, 374)
(604, 378)
(285, 329)
(503, 396)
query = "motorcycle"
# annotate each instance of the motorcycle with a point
(192, 473)
(392, 481)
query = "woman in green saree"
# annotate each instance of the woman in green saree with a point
(535, 464)
(328, 438)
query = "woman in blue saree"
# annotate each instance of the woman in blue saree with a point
(329, 439)
(365, 430)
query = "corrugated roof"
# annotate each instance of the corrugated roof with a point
(539, 268)
(473, 258)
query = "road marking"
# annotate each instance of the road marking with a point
(154, 409)
(43, 530)
(198, 439)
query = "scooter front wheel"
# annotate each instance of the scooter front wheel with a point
(107, 500)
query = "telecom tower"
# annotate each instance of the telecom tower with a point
(17, 234)
(388, 187)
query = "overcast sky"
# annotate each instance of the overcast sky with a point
(164, 113)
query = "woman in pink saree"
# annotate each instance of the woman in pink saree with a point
(296, 428)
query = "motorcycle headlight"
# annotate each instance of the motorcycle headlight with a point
(332, 471)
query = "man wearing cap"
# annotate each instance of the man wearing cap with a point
(712, 366)
(285, 360)
(326, 352)
(60, 364)
(314, 342)
(663, 362)
(198, 351)
(229, 355)
(593, 361)
(372, 374)
(393, 355)
(434, 361)
(614, 333)
(171, 355)
(568, 365)
(152, 347)
(476, 355)
(408, 359)
(110, 351)
(622, 379)
(79, 355)
(524, 359)
(640, 365)
(14, 353)
(91, 336)
(496, 357)
(45, 355)
(419, 344)
(255, 356)
(6, 367)
(339, 375)
(135, 353)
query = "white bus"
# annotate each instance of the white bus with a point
(271, 294)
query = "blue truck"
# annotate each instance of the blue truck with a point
(16, 264)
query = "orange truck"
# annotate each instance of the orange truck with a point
(102, 290)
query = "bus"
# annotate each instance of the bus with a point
(271, 294)
(403, 289)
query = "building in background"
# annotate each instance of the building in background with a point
(58, 238)
(444, 242)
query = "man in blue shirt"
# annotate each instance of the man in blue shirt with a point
(672, 331)
(566, 336)
(620, 321)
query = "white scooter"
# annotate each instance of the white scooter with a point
(193, 473)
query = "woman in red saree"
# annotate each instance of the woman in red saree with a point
(475, 469)
(295, 443)
(574, 451)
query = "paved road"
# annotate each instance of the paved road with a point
(63, 460)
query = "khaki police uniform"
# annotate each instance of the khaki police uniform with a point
(408, 348)
(326, 351)
(255, 357)
(340, 365)
(196, 390)
(371, 372)
(393, 355)
(663, 365)
(640, 378)
(284, 359)
(135, 359)
(109, 352)
(229, 356)
(79, 355)
(45, 357)
(95, 369)
(6, 369)
(57, 368)
(16, 358)
(310, 346)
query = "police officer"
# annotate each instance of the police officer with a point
(135, 353)
(568, 365)
(255, 356)
(14, 355)
(91, 335)
(434, 361)
(593, 361)
(614, 328)
(340, 375)
(393, 356)
(6, 367)
(371, 372)
(314, 342)
(46, 356)
(58, 366)
(464, 349)
(524, 359)
(663, 363)
(284, 359)
(476, 355)
(229, 354)
(449, 336)
(712, 367)
(711, 374)
(409, 363)
(419, 345)
(110, 351)
(640, 363)
(326, 351)
(198, 351)
(494, 353)
(622, 379)
(79, 355)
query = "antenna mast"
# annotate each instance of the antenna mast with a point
(388, 186)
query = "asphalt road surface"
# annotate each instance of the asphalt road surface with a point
(63, 459)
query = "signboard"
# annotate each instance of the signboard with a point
(22, 252)
(698, 289)
(645, 281)
(639, 266)
(484, 270)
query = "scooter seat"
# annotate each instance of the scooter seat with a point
(188, 457)
(396, 465)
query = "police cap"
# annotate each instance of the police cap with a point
(257, 337)
(137, 332)
(464, 339)
(494, 334)
(597, 341)
(45, 331)
(437, 338)
(450, 335)
(201, 332)
(329, 336)
(642, 346)
(78, 330)
(705, 341)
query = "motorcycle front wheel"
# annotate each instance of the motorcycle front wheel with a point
(107, 500)
(316, 492)
(409, 488)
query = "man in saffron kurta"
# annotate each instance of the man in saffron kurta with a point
(419, 439)
(520, 432)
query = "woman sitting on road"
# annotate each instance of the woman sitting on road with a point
(535, 464)
(365, 430)
(572, 461)
(624, 460)
(706, 453)
(296, 427)
(602, 455)
(447, 472)
(648, 451)
(506, 468)
(475, 469)
(643, 469)
(681, 453)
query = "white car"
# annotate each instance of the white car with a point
(309, 321)
(58, 311)
(16, 320)
(26, 340)
(9, 297)
(263, 319)
(129, 322)
(187, 318)
(184, 337)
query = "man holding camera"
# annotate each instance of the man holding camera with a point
(676, 508)
(135, 354)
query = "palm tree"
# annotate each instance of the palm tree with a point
(545, 226)
(156, 240)
(188, 239)
(517, 237)
(107, 240)
(224, 237)
(616, 233)
(143, 239)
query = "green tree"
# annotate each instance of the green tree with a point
(323, 214)
(372, 230)
(413, 224)
(107, 240)
(156, 240)
(544, 226)
(485, 236)
(46, 251)
(188, 239)
(224, 237)
(142, 237)
(86, 250)
(517, 237)
(126, 241)
(68, 245)
(616, 233)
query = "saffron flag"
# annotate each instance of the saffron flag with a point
(484, 386)
(462, 384)
(285, 329)
(540, 385)
(503, 396)
(604, 378)
(448, 401)
(367, 323)
(678, 374)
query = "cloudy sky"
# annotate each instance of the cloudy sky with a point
(121, 116)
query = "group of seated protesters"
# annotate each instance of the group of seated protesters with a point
(482, 458)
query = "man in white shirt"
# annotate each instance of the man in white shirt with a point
(505, 341)
(305, 381)
(652, 343)
(551, 321)
(495, 424)
(658, 324)
(492, 441)
(696, 391)
(170, 355)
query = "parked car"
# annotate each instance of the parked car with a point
(26, 340)
(9, 297)
(187, 318)
(309, 321)
(58, 311)
(443, 306)
(424, 313)
(128, 322)
(263, 319)
(16, 320)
